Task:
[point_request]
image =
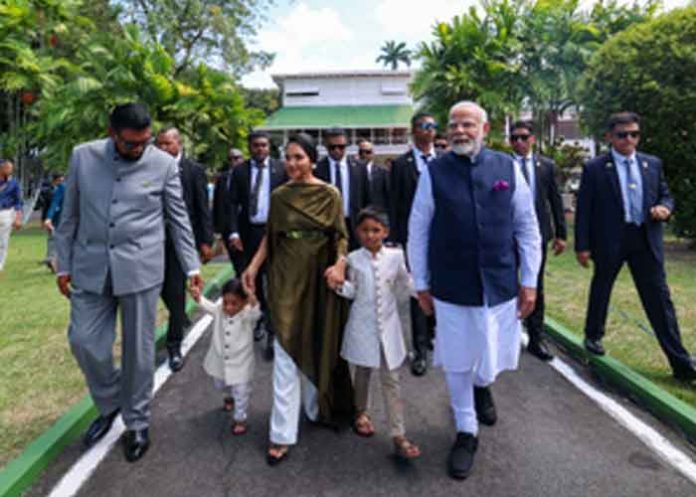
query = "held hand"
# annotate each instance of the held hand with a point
(526, 302)
(660, 213)
(559, 246)
(249, 280)
(63, 282)
(206, 253)
(425, 301)
(196, 294)
(236, 244)
(335, 276)
(196, 285)
(48, 225)
(583, 258)
(17, 225)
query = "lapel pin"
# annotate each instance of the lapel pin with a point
(645, 164)
(609, 165)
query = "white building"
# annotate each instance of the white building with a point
(375, 105)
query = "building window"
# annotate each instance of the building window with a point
(399, 136)
(303, 92)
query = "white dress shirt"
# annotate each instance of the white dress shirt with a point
(264, 201)
(421, 163)
(345, 182)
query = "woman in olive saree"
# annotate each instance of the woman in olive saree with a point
(305, 247)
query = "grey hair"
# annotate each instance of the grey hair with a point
(468, 104)
(173, 130)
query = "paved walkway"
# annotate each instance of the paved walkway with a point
(550, 440)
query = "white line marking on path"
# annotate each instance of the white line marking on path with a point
(643, 431)
(80, 472)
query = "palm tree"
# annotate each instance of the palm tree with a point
(393, 53)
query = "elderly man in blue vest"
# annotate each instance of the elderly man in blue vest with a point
(475, 253)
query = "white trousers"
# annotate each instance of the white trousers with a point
(241, 393)
(291, 389)
(7, 217)
(461, 391)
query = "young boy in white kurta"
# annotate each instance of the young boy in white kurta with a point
(230, 358)
(373, 338)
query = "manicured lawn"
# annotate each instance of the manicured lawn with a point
(629, 337)
(39, 379)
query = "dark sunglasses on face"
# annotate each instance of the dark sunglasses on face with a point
(622, 135)
(365, 152)
(129, 146)
(427, 126)
(236, 157)
(441, 145)
(524, 138)
(337, 147)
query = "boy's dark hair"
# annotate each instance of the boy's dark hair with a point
(255, 135)
(622, 118)
(234, 286)
(418, 117)
(129, 116)
(375, 214)
(522, 125)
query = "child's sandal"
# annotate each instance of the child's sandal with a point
(405, 449)
(281, 452)
(239, 428)
(363, 426)
(228, 404)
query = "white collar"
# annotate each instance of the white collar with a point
(342, 162)
(620, 158)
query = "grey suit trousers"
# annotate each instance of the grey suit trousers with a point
(91, 335)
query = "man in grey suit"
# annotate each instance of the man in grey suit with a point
(119, 193)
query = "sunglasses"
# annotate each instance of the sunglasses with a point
(337, 147)
(427, 126)
(235, 157)
(129, 146)
(441, 145)
(622, 135)
(515, 138)
(365, 152)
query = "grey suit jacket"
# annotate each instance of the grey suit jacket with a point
(114, 216)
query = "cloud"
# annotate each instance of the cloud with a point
(413, 20)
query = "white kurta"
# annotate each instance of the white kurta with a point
(230, 357)
(376, 284)
(483, 339)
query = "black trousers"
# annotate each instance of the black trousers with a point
(422, 329)
(535, 321)
(353, 242)
(649, 277)
(251, 245)
(174, 295)
(236, 257)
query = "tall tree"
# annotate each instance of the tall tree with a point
(393, 53)
(211, 31)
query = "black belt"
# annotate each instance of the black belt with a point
(304, 234)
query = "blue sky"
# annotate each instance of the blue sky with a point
(311, 35)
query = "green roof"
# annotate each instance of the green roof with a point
(353, 116)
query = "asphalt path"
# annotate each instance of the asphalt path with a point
(550, 440)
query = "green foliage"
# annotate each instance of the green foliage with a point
(568, 158)
(198, 31)
(393, 53)
(648, 68)
(267, 100)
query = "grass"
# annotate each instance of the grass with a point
(629, 337)
(39, 378)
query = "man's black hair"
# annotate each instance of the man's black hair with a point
(622, 118)
(522, 125)
(255, 135)
(418, 117)
(130, 116)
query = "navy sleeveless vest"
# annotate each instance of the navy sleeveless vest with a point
(471, 254)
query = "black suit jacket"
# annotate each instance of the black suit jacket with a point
(359, 186)
(599, 216)
(194, 186)
(238, 207)
(547, 201)
(221, 200)
(403, 180)
(379, 187)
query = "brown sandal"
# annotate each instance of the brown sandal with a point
(239, 428)
(405, 449)
(363, 426)
(228, 404)
(281, 452)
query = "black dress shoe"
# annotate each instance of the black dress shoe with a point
(419, 366)
(461, 456)
(176, 360)
(538, 349)
(135, 444)
(99, 428)
(485, 408)
(686, 373)
(594, 346)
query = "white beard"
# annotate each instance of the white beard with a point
(466, 147)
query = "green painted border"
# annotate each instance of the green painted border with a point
(23, 471)
(663, 404)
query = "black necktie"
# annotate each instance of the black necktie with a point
(525, 173)
(254, 199)
(338, 178)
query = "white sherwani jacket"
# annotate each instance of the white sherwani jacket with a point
(230, 357)
(376, 284)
